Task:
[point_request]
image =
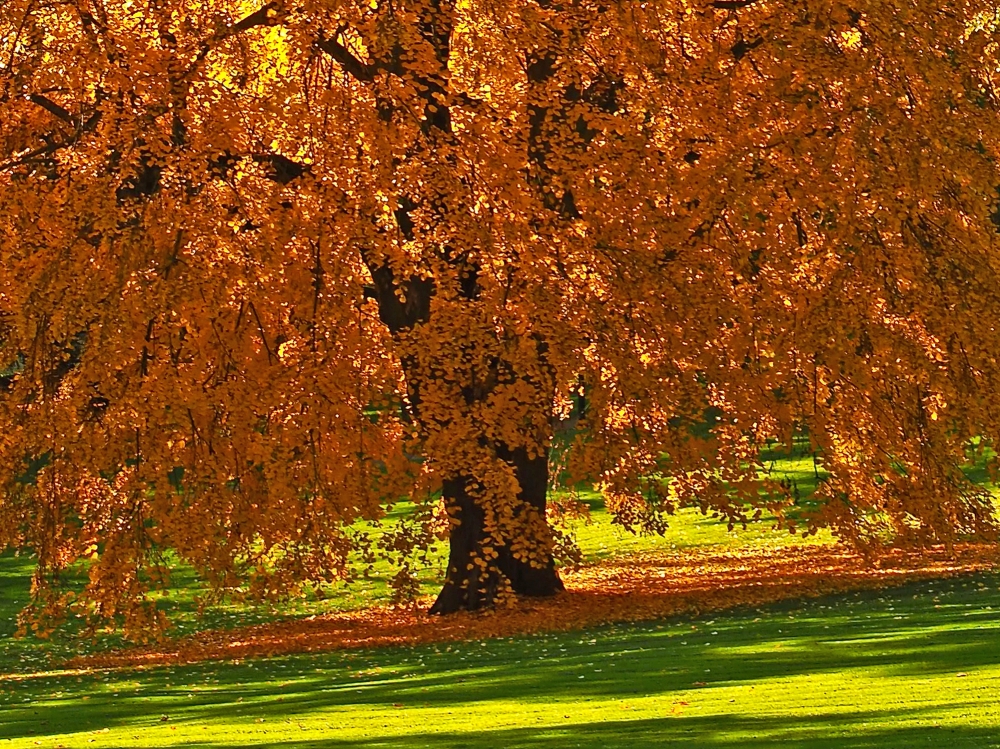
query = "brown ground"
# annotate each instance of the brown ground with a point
(647, 586)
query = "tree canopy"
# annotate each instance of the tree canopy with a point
(267, 268)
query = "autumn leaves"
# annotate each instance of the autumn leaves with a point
(323, 256)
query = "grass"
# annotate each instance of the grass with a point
(917, 666)
(598, 538)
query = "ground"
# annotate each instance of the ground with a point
(913, 666)
(702, 638)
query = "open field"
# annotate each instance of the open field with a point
(740, 654)
(916, 666)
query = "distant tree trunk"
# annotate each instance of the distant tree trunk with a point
(467, 585)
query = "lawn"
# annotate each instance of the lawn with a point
(598, 538)
(917, 666)
(912, 666)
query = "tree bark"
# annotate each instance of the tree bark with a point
(467, 585)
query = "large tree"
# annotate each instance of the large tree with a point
(264, 269)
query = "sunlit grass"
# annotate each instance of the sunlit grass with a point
(598, 538)
(918, 666)
(914, 667)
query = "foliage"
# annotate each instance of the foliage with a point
(265, 268)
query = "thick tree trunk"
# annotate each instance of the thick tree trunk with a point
(467, 586)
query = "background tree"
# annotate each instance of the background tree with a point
(264, 269)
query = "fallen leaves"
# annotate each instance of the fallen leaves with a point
(643, 587)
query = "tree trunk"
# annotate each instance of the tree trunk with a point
(467, 586)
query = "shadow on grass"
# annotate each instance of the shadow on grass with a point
(920, 630)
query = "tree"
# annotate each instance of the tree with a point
(266, 268)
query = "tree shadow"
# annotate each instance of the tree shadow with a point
(898, 633)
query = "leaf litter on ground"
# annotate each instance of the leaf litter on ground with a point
(640, 587)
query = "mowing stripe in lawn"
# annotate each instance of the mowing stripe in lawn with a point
(916, 666)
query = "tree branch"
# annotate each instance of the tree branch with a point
(263, 16)
(50, 148)
(266, 15)
(732, 4)
(359, 70)
(282, 169)
(51, 107)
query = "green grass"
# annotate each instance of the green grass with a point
(851, 671)
(598, 538)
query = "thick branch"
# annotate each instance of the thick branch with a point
(282, 169)
(51, 107)
(260, 17)
(359, 70)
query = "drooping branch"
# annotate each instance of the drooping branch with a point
(54, 145)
